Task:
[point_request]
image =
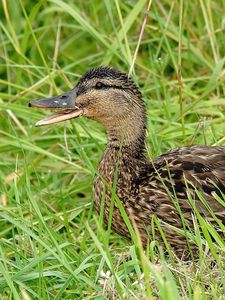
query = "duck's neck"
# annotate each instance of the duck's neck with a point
(124, 156)
(129, 135)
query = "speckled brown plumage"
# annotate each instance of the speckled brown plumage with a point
(148, 189)
(164, 187)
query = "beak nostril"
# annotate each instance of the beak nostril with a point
(63, 101)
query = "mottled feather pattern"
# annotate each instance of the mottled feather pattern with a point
(165, 187)
(150, 188)
(111, 74)
(170, 187)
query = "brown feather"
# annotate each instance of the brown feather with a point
(164, 188)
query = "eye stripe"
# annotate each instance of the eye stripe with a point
(99, 85)
(81, 90)
(108, 86)
(84, 90)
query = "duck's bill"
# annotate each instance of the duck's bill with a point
(60, 117)
(65, 106)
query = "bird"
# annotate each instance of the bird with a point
(176, 188)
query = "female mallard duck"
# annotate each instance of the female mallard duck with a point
(167, 187)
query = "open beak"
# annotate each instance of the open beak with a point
(65, 106)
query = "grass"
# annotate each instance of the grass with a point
(52, 244)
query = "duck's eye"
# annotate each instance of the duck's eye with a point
(99, 85)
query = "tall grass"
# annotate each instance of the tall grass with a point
(52, 244)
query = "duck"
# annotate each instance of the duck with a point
(175, 188)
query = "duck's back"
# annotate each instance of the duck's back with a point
(180, 181)
(175, 183)
(200, 168)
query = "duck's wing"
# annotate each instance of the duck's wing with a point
(189, 177)
(202, 167)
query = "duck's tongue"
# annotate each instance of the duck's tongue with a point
(65, 104)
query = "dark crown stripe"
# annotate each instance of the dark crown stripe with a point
(104, 72)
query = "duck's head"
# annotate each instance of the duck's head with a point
(103, 94)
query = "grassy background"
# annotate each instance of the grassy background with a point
(52, 244)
